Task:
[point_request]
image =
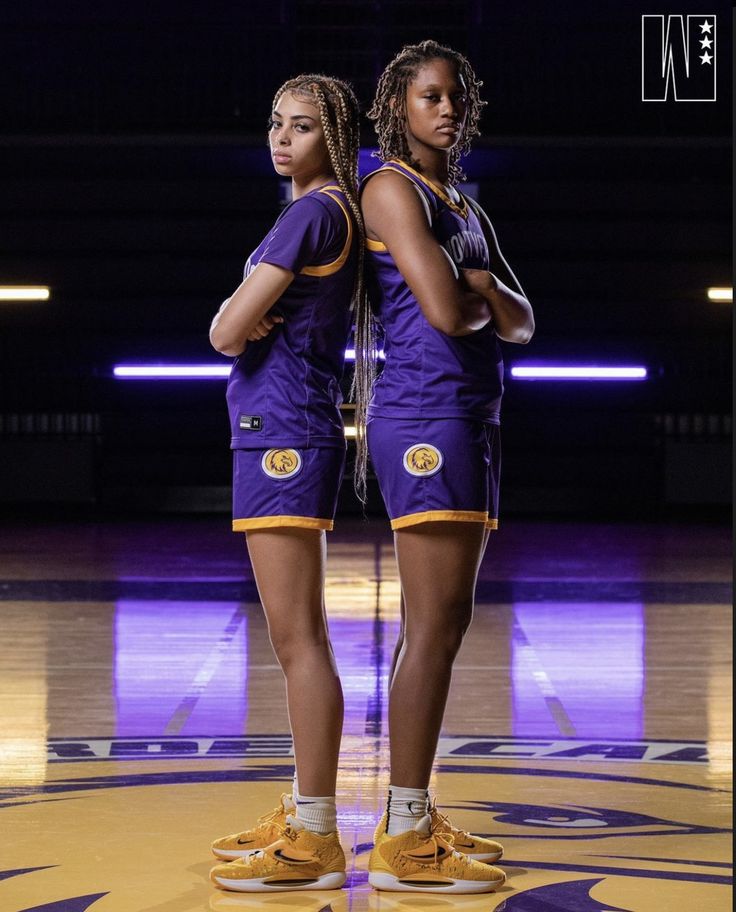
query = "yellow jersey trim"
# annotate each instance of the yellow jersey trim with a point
(492, 524)
(461, 210)
(414, 519)
(335, 265)
(275, 522)
(377, 246)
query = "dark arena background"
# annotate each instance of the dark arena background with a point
(141, 708)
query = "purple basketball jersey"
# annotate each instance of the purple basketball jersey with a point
(428, 374)
(284, 390)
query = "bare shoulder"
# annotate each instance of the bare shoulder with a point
(389, 195)
(387, 185)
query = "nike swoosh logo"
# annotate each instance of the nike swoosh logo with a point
(245, 841)
(283, 857)
(441, 854)
(465, 845)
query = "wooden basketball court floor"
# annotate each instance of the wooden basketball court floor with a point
(142, 714)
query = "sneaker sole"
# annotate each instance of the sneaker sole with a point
(231, 855)
(258, 885)
(381, 881)
(488, 858)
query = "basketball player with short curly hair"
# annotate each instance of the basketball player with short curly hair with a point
(444, 295)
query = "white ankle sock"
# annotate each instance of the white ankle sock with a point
(316, 814)
(405, 808)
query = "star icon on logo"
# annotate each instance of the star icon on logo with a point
(706, 27)
(706, 43)
(706, 58)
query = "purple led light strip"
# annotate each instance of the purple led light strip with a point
(577, 372)
(171, 371)
(518, 372)
(187, 371)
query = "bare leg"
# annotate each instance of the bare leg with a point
(288, 564)
(399, 644)
(402, 608)
(438, 566)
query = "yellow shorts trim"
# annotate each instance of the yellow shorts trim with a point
(275, 522)
(492, 524)
(414, 519)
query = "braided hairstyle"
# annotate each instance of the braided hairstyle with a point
(339, 115)
(389, 105)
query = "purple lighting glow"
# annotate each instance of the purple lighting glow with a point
(519, 371)
(578, 669)
(188, 371)
(180, 667)
(576, 372)
(171, 371)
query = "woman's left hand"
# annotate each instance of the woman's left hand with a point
(264, 327)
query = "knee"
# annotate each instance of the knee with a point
(442, 641)
(292, 644)
(454, 637)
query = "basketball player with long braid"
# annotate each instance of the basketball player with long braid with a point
(287, 325)
(444, 294)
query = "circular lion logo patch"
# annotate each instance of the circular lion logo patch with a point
(423, 459)
(281, 463)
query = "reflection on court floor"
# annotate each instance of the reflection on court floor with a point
(143, 714)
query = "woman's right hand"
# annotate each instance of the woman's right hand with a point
(481, 281)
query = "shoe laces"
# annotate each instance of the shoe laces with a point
(442, 826)
(437, 836)
(272, 815)
(287, 831)
(436, 844)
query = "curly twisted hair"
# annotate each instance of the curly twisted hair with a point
(339, 115)
(389, 105)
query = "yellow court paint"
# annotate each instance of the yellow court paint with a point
(142, 715)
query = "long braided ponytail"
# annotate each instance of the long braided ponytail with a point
(340, 118)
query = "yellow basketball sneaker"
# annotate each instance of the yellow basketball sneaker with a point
(298, 860)
(422, 861)
(476, 847)
(268, 829)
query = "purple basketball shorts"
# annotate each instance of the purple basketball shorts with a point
(287, 486)
(437, 469)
